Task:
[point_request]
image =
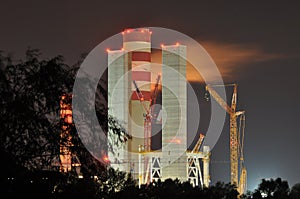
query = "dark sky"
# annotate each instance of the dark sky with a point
(255, 43)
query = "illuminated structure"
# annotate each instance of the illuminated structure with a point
(174, 96)
(238, 172)
(119, 62)
(129, 101)
(124, 68)
(68, 161)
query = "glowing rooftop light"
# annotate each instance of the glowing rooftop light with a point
(106, 159)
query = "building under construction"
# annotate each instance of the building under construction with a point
(132, 100)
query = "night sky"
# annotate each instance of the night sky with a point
(254, 43)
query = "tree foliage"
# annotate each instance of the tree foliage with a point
(30, 91)
(295, 191)
(272, 188)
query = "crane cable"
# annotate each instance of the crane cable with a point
(241, 135)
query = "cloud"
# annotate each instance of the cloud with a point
(231, 60)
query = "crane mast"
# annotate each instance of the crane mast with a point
(234, 141)
(242, 188)
(149, 112)
(148, 116)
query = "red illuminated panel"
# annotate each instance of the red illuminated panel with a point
(141, 56)
(141, 76)
(146, 94)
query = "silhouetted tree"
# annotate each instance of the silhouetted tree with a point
(30, 93)
(295, 191)
(277, 189)
(176, 189)
(221, 190)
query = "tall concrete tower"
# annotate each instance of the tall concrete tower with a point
(174, 102)
(132, 63)
(119, 90)
(138, 43)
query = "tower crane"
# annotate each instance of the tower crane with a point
(236, 140)
(148, 117)
(149, 112)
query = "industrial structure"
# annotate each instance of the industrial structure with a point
(131, 101)
(237, 166)
(68, 161)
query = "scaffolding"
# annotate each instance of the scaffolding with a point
(67, 159)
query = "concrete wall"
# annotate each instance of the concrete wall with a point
(174, 103)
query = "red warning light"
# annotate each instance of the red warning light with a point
(107, 50)
(106, 159)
